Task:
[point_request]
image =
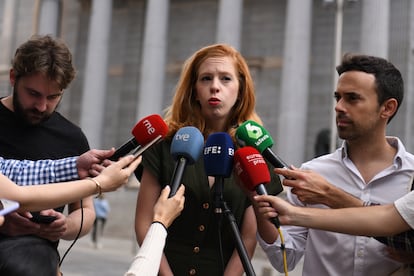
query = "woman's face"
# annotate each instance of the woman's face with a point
(217, 89)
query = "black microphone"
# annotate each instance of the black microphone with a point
(253, 172)
(186, 148)
(145, 131)
(218, 162)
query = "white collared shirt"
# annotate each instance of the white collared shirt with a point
(405, 206)
(329, 253)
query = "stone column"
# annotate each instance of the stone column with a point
(375, 27)
(151, 86)
(292, 124)
(229, 23)
(94, 86)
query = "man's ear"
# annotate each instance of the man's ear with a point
(12, 77)
(389, 107)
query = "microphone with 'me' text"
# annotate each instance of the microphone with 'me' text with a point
(252, 170)
(186, 147)
(146, 132)
(218, 162)
(253, 134)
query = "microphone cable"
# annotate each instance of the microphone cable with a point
(77, 235)
(283, 248)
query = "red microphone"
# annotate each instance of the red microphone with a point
(253, 172)
(146, 132)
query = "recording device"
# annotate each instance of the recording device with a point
(218, 162)
(186, 148)
(253, 172)
(253, 134)
(7, 206)
(140, 150)
(147, 130)
(38, 218)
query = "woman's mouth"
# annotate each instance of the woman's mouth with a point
(213, 101)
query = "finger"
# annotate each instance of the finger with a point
(26, 214)
(123, 162)
(165, 192)
(138, 160)
(281, 171)
(93, 173)
(105, 153)
(266, 209)
(286, 173)
(271, 214)
(290, 183)
(97, 167)
(263, 198)
(180, 195)
(263, 204)
(106, 163)
(257, 199)
(133, 166)
(181, 190)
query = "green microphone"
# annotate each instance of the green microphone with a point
(253, 134)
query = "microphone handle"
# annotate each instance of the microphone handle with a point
(218, 194)
(124, 149)
(177, 175)
(275, 222)
(274, 159)
(261, 190)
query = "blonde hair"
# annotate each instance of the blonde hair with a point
(186, 111)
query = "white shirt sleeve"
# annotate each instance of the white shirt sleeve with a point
(148, 259)
(405, 206)
(274, 253)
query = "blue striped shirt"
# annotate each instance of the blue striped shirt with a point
(26, 172)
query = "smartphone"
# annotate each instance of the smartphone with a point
(8, 206)
(140, 150)
(38, 218)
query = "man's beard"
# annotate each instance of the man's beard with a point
(28, 116)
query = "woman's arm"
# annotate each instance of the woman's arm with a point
(147, 261)
(36, 198)
(148, 195)
(380, 220)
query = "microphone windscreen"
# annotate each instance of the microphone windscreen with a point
(253, 134)
(148, 128)
(251, 167)
(218, 154)
(187, 142)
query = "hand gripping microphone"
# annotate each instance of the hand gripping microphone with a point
(218, 162)
(146, 132)
(186, 148)
(253, 172)
(252, 134)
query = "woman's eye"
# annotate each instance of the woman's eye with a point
(206, 78)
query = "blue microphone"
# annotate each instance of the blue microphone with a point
(186, 148)
(218, 162)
